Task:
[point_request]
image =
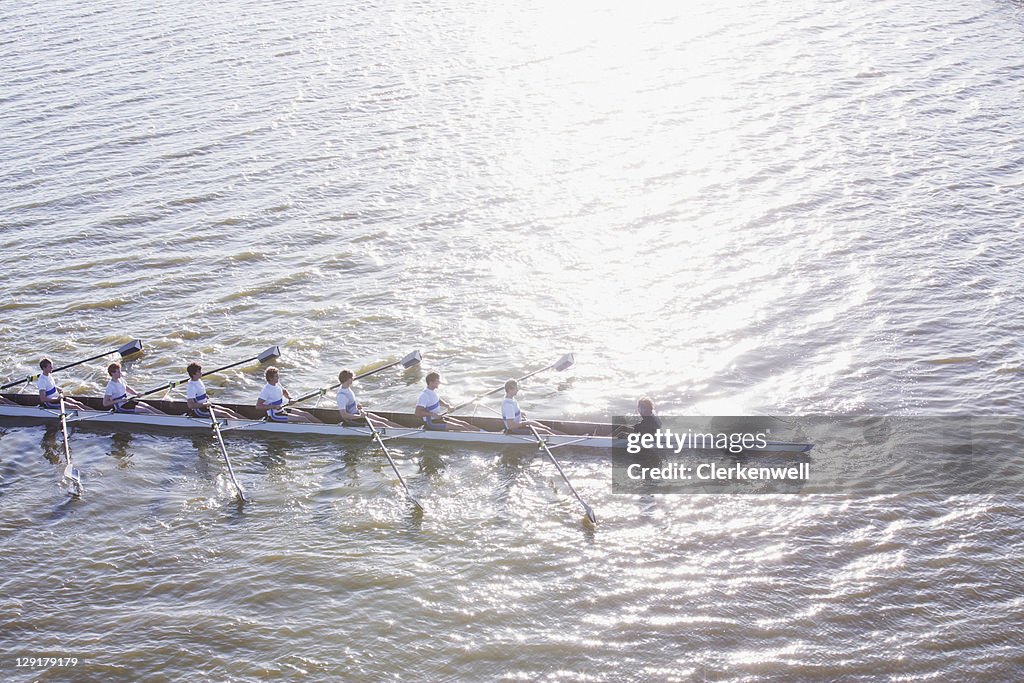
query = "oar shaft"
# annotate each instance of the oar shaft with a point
(32, 378)
(494, 391)
(322, 392)
(544, 447)
(387, 454)
(84, 360)
(71, 472)
(171, 385)
(224, 453)
(64, 429)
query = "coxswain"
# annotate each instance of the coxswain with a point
(649, 422)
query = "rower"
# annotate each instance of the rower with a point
(198, 401)
(50, 393)
(649, 422)
(428, 408)
(515, 419)
(116, 395)
(272, 397)
(350, 410)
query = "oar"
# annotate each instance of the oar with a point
(268, 355)
(544, 446)
(562, 363)
(125, 351)
(387, 454)
(70, 472)
(409, 361)
(224, 452)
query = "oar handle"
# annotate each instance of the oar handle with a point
(314, 394)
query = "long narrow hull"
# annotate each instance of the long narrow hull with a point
(581, 434)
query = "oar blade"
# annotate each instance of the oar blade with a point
(72, 474)
(591, 517)
(131, 348)
(270, 354)
(564, 363)
(412, 360)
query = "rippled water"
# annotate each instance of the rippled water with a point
(733, 207)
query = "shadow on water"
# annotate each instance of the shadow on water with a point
(64, 508)
(413, 519)
(8, 475)
(207, 450)
(513, 466)
(234, 512)
(172, 475)
(432, 461)
(52, 444)
(8, 470)
(120, 451)
(274, 455)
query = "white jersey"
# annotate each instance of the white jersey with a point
(116, 390)
(430, 400)
(196, 391)
(510, 412)
(347, 401)
(45, 383)
(272, 395)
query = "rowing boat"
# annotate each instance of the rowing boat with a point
(581, 434)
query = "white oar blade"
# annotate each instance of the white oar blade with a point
(565, 362)
(270, 354)
(411, 360)
(72, 474)
(132, 347)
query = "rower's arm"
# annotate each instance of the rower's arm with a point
(423, 412)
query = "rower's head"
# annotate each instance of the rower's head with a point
(272, 374)
(46, 365)
(114, 370)
(345, 377)
(433, 380)
(645, 407)
(511, 388)
(194, 370)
